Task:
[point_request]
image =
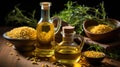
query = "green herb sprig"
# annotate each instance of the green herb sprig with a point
(74, 14)
(16, 17)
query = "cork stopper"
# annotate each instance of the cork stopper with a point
(45, 5)
(68, 29)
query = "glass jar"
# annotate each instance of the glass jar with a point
(68, 51)
(46, 32)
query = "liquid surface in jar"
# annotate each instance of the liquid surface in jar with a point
(67, 54)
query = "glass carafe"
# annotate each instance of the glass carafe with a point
(46, 32)
(67, 51)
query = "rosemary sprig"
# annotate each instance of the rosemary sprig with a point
(75, 14)
(96, 47)
(16, 17)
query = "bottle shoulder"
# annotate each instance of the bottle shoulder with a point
(66, 43)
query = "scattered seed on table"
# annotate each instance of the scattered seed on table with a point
(45, 65)
(34, 62)
(38, 60)
(9, 44)
(11, 53)
(16, 54)
(28, 58)
(32, 59)
(18, 58)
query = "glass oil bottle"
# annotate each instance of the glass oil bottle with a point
(45, 32)
(68, 52)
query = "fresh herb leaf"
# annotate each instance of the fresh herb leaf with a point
(16, 17)
(75, 14)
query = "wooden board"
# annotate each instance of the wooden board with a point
(9, 57)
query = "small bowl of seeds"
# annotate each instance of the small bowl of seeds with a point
(94, 57)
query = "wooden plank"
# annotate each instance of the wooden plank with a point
(105, 45)
(10, 57)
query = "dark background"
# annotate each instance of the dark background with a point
(111, 6)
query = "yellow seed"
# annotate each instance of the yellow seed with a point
(11, 53)
(45, 65)
(28, 58)
(17, 55)
(10, 45)
(34, 62)
(32, 59)
(18, 58)
(38, 60)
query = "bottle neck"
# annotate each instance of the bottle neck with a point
(68, 37)
(45, 14)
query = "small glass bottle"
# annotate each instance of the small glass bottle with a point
(68, 51)
(45, 32)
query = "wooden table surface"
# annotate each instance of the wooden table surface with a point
(9, 57)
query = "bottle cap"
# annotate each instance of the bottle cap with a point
(45, 5)
(68, 29)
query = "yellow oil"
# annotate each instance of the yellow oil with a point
(67, 54)
(45, 39)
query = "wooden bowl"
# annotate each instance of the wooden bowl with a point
(105, 37)
(21, 44)
(94, 59)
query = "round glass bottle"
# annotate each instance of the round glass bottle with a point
(68, 51)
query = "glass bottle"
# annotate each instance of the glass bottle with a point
(68, 51)
(46, 32)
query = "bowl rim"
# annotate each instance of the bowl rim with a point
(85, 28)
(8, 38)
(94, 57)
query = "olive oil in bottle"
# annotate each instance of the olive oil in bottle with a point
(67, 54)
(68, 51)
(45, 32)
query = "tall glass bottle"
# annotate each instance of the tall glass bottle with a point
(68, 51)
(45, 32)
